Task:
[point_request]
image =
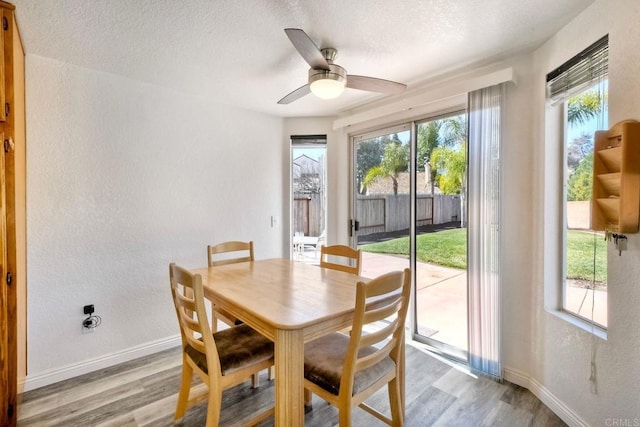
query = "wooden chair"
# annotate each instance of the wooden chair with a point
(221, 360)
(227, 253)
(214, 252)
(346, 370)
(345, 253)
(220, 255)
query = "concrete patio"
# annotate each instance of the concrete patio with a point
(441, 297)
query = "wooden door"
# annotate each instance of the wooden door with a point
(6, 352)
(12, 219)
(6, 19)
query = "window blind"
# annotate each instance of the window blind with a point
(586, 68)
(308, 139)
(485, 120)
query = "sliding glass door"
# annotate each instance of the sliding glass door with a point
(453, 169)
(381, 199)
(415, 216)
(441, 234)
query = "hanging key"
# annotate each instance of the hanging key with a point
(609, 235)
(621, 244)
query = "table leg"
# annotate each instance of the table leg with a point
(289, 363)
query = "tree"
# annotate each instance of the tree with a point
(428, 140)
(455, 130)
(394, 161)
(451, 165)
(580, 109)
(577, 149)
(438, 133)
(369, 154)
(580, 182)
(583, 107)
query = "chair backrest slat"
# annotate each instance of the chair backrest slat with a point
(365, 362)
(373, 338)
(190, 324)
(214, 252)
(382, 312)
(341, 252)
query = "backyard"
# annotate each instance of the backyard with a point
(448, 248)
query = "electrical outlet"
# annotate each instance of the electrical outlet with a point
(88, 310)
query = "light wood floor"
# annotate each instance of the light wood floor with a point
(143, 393)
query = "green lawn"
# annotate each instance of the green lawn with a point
(449, 248)
(580, 256)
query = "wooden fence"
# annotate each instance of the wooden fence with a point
(377, 213)
(308, 214)
(384, 212)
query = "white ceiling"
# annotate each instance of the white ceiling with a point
(236, 51)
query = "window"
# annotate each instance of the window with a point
(308, 195)
(579, 87)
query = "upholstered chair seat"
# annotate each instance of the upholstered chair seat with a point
(237, 347)
(324, 362)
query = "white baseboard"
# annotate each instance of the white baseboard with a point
(70, 371)
(541, 392)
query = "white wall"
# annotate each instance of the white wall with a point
(517, 218)
(561, 352)
(124, 177)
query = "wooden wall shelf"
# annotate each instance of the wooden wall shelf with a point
(616, 178)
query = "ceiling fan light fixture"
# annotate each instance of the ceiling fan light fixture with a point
(328, 84)
(327, 88)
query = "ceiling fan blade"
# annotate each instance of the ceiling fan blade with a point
(296, 94)
(305, 47)
(373, 84)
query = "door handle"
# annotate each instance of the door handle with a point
(353, 226)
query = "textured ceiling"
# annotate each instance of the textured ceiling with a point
(236, 52)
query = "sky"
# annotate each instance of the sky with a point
(589, 128)
(313, 153)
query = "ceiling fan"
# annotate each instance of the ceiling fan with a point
(326, 79)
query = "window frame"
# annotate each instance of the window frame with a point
(564, 208)
(555, 183)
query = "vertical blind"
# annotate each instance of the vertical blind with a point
(588, 67)
(485, 123)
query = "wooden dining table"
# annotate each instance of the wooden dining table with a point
(291, 303)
